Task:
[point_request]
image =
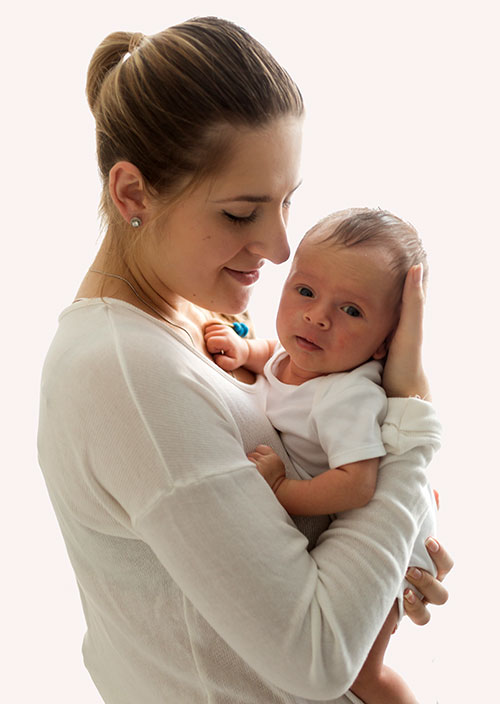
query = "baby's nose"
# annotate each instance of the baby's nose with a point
(317, 318)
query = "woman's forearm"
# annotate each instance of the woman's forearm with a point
(303, 621)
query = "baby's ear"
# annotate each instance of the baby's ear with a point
(381, 352)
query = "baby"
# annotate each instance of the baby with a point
(339, 308)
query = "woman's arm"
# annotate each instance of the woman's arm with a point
(404, 376)
(289, 614)
(304, 621)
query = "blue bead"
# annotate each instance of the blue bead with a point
(240, 329)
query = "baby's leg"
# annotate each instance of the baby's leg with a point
(377, 683)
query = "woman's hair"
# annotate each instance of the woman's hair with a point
(162, 102)
(377, 228)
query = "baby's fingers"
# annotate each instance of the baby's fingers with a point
(264, 450)
(215, 343)
(225, 362)
(255, 457)
(213, 323)
(259, 453)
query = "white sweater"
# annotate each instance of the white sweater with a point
(196, 584)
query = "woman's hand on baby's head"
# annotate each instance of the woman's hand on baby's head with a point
(228, 349)
(403, 371)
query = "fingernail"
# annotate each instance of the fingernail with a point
(432, 544)
(417, 274)
(409, 596)
(414, 573)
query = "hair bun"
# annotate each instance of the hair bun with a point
(135, 40)
(106, 57)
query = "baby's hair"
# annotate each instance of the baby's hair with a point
(377, 228)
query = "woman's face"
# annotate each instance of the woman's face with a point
(214, 241)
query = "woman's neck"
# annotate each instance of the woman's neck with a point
(110, 276)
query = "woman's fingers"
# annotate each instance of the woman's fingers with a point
(441, 558)
(431, 588)
(415, 609)
(410, 326)
(403, 372)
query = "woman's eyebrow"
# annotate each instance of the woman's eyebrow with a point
(253, 199)
(248, 199)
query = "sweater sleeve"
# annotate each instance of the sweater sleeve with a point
(305, 621)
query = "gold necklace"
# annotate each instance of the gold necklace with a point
(149, 305)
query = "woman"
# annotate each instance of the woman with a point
(196, 585)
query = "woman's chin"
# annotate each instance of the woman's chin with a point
(233, 305)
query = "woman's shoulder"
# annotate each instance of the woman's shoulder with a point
(112, 341)
(115, 324)
(119, 344)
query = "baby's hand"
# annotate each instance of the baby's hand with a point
(269, 465)
(228, 349)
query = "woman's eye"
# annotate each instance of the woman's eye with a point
(238, 219)
(304, 291)
(352, 311)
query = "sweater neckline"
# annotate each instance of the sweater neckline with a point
(112, 302)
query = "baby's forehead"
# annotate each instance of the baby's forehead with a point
(316, 246)
(357, 269)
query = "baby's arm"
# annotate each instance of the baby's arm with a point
(349, 486)
(231, 351)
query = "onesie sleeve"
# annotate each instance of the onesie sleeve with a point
(348, 421)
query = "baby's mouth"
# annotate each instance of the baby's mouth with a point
(306, 344)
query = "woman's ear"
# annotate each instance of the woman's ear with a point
(128, 191)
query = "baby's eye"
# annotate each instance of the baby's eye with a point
(304, 291)
(352, 311)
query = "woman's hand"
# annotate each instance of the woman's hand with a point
(403, 371)
(431, 587)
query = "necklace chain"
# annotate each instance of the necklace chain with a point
(149, 305)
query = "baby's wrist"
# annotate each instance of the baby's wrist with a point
(277, 483)
(245, 351)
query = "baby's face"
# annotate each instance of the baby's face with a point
(337, 308)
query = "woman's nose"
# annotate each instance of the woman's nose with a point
(273, 244)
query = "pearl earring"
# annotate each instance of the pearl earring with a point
(135, 221)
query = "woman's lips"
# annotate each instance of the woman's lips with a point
(247, 278)
(306, 344)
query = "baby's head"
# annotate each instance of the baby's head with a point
(342, 298)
